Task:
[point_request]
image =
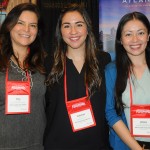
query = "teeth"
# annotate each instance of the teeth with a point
(23, 35)
(135, 46)
(74, 38)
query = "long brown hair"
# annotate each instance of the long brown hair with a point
(92, 73)
(36, 56)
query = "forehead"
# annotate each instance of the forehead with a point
(72, 16)
(28, 16)
(134, 24)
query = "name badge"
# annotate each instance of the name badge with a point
(79, 110)
(139, 117)
(80, 114)
(140, 120)
(17, 97)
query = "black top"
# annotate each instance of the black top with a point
(58, 133)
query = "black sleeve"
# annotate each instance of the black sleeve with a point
(50, 108)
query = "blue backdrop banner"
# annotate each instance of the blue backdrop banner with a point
(110, 12)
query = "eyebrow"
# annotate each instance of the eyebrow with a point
(75, 22)
(132, 31)
(30, 23)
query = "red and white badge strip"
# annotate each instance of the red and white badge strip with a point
(17, 96)
(139, 117)
(79, 110)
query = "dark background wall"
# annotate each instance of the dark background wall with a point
(50, 10)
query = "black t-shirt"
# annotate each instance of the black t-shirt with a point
(58, 133)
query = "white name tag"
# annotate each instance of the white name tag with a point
(141, 126)
(82, 119)
(18, 103)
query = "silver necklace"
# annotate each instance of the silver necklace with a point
(19, 70)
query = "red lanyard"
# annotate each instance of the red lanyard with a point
(79, 110)
(139, 117)
(17, 96)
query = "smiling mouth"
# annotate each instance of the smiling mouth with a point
(24, 35)
(74, 39)
(135, 46)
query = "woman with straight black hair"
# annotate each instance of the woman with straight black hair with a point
(127, 83)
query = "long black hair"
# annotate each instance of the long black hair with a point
(123, 63)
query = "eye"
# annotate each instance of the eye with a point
(141, 33)
(33, 25)
(79, 25)
(19, 22)
(66, 26)
(128, 34)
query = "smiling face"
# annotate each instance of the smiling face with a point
(134, 38)
(25, 30)
(74, 30)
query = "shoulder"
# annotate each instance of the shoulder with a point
(103, 58)
(110, 73)
(111, 67)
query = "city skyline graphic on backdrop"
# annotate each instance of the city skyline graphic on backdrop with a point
(110, 12)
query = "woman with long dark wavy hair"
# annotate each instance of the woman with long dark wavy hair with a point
(76, 86)
(127, 82)
(22, 76)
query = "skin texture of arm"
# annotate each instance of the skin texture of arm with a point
(123, 132)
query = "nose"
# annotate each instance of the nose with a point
(73, 30)
(26, 28)
(135, 38)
